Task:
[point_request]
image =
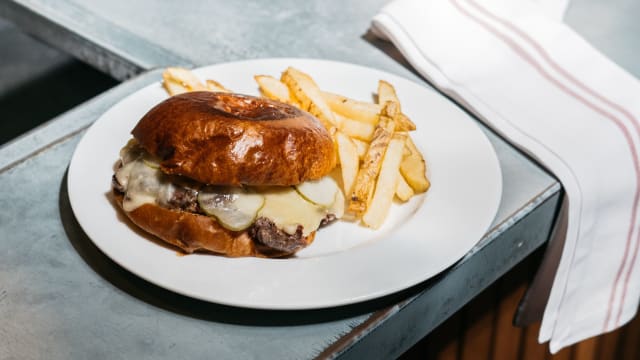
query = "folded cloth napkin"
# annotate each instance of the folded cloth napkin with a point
(536, 82)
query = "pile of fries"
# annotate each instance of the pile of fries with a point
(378, 160)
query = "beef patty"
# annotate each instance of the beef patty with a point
(263, 231)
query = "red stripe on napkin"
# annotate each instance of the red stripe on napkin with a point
(541, 51)
(528, 58)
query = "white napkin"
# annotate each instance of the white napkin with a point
(540, 85)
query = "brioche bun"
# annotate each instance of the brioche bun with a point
(196, 233)
(231, 139)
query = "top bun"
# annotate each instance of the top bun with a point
(231, 139)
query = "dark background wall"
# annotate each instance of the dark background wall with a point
(38, 82)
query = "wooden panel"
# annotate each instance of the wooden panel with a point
(631, 338)
(586, 350)
(609, 344)
(531, 349)
(507, 338)
(479, 319)
(564, 354)
(445, 343)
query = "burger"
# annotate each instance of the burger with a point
(230, 174)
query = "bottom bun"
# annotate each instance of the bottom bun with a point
(194, 232)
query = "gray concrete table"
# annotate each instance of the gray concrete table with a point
(61, 298)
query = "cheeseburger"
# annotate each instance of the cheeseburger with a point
(230, 174)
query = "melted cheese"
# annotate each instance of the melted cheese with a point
(287, 209)
(143, 184)
(146, 184)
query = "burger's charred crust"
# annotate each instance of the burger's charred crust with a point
(182, 223)
(185, 199)
(328, 220)
(266, 233)
(230, 139)
(115, 184)
(271, 240)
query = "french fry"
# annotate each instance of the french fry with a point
(362, 191)
(174, 88)
(305, 89)
(354, 109)
(213, 85)
(404, 192)
(386, 92)
(404, 123)
(349, 161)
(411, 146)
(178, 80)
(387, 183)
(355, 129)
(361, 146)
(273, 88)
(406, 152)
(414, 169)
(391, 109)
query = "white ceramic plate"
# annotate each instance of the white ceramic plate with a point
(346, 263)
